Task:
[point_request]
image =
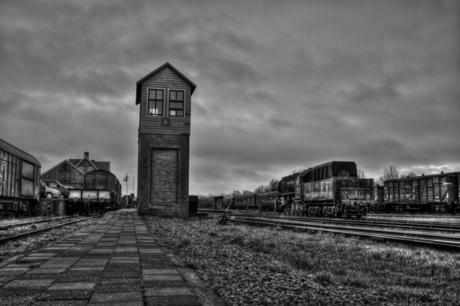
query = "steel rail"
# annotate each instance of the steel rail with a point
(441, 227)
(6, 239)
(424, 225)
(8, 226)
(418, 238)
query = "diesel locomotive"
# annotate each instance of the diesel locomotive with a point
(330, 189)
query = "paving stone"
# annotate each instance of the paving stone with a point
(158, 278)
(16, 300)
(119, 285)
(121, 274)
(91, 269)
(101, 251)
(79, 278)
(126, 254)
(72, 286)
(185, 300)
(150, 251)
(43, 254)
(164, 283)
(61, 303)
(91, 262)
(29, 283)
(169, 291)
(124, 260)
(39, 276)
(119, 297)
(20, 291)
(66, 295)
(159, 271)
(43, 270)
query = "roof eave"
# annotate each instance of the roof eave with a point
(167, 64)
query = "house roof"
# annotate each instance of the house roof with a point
(18, 152)
(64, 161)
(139, 83)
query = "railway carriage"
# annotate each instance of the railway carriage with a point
(245, 201)
(427, 193)
(19, 181)
(266, 201)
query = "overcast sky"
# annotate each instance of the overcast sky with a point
(281, 85)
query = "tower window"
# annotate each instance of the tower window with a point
(176, 103)
(155, 102)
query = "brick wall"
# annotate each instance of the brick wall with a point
(150, 200)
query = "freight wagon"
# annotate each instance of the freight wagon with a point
(431, 193)
(19, 181)
(101, 191)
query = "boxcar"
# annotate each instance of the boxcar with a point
(426, 193)
(19, 181)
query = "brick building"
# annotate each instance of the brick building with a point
(164, 96)
(71, 172)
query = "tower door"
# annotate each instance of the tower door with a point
(164, 175)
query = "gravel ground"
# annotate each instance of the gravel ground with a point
(240, 276)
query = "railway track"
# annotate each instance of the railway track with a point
(12, 225)
(24, 234)
(451, 242)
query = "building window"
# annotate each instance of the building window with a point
(64, 173)
(176, 103)
(155, 102)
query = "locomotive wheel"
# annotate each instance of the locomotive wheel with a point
(49, 195)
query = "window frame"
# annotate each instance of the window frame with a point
(176, 101)
(155, 100)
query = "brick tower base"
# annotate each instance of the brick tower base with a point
(163, 175)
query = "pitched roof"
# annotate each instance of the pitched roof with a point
(64, 161)
(102, 165)
(18, 152)
(139, 83)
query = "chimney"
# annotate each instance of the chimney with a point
(86, 155)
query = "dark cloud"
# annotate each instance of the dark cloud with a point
(280, 87)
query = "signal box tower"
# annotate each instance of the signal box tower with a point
(164, 96)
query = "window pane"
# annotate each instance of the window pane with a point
(172, 112)
(159, 106)
(172, 95)
(27, 170)
(176, 105)
(180, 96)
(180, 113)
(151, 94)
(159, 94)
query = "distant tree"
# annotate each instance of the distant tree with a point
(262, 188)
(409, 174)
(379, 181)
(236, 192)
(273, 184)
(361, 174)
(298, 171)
(390, 173)
(247, 192)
